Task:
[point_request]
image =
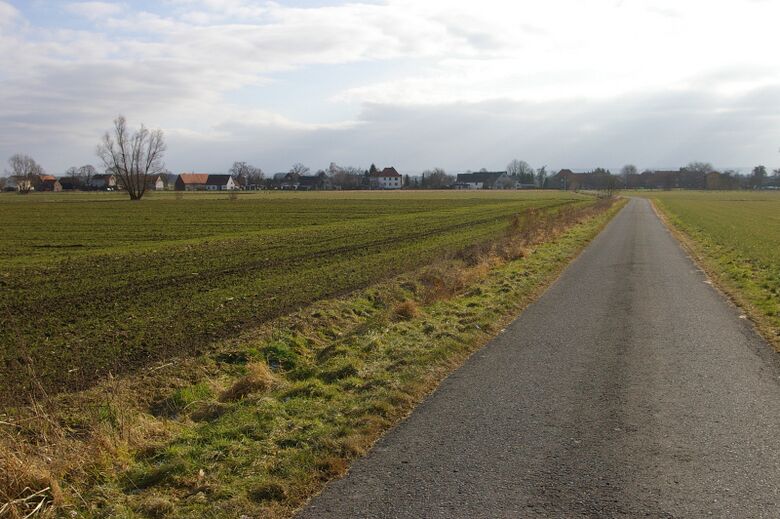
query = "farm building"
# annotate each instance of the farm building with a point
(49, 184)
(482, 180)
(388, 178)
(220, 183)
(155, 183)
(204, 182)
(105, 182)
(70, 183)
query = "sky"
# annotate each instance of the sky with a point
(415, 84)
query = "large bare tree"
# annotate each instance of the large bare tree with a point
(134, 157)
(437, 178)
(246, 174)
(521, 170)
(24, 171)
(299, 170)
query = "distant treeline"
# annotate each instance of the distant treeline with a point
(696, 175)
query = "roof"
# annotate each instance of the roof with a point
(481, 176)
(217, 180)
(46, 178)
(194, 178)
(387, 172)
(102, 176)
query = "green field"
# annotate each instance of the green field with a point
(737, 236)
(93, 283)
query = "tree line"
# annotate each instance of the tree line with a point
(135, 156)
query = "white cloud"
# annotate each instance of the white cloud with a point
(557, 66)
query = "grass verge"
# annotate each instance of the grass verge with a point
(261, 423)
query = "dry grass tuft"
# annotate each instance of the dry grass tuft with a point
(155, 507)
(258, 378)
(406, 310)
(25, 488)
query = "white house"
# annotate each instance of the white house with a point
(388, 178)
(482, 180)
(220, 183)
(155, 183)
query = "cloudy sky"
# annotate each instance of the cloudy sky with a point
(410, 83)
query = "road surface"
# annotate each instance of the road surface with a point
(631, 388)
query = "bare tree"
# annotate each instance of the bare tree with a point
(299, 169)
(541, 177)
(25, 172)
(246, 174)
(132, 157)
(521, 170)
(345, 177)
(757, 177)
(437, 178)
(85, 174)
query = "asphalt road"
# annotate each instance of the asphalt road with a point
(630, 389)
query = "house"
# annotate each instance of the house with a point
(564, 179)
(482, 180)
(50, 184)
(155, 183)
(220, 183)
(70, 183)
(191, 182)
(105, 182)
(388, 178)
(15, 183)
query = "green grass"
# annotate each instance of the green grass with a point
(737, 236)
(93, 283)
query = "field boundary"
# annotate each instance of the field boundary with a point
(719, 281)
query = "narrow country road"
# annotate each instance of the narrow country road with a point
(630, 389)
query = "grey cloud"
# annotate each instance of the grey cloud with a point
(661, 130)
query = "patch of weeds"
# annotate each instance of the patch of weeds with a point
(257, 378)
(182, 399)
(154, 506)
(309, 388)
(281, 356)
(143, 475)
(338, 368)
(270, 489)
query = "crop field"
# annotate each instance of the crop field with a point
(737, 235)
(92, 283)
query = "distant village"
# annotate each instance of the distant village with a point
(518, 175)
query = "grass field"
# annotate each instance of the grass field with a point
(93, 283)
(736, 234)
